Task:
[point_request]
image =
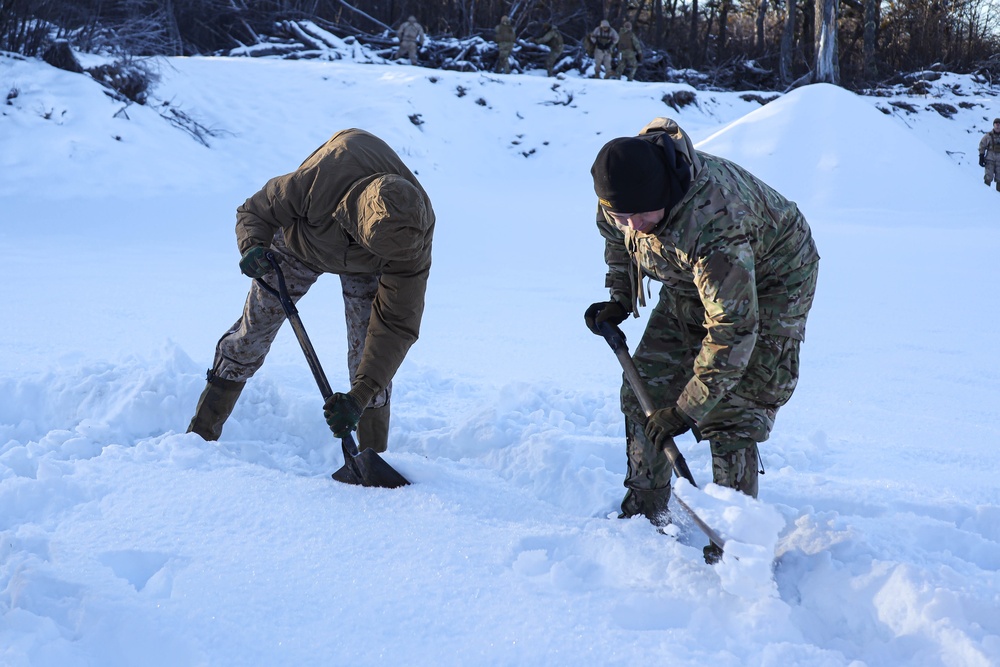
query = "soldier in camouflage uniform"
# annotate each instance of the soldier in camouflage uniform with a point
(738, 269)
(505, 44)
(411, 37)
(605, 39)
(354, 209)
(989, 154)
(630, 52)
(554, 40)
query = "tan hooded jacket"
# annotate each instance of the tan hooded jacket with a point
(354, 207)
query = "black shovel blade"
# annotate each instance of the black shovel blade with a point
(368, 469)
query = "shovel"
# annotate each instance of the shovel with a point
(366, 468)
(616, 339)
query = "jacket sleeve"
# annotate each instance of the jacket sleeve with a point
(984, 143)
(726, 282)
(282, 201)
(617, 258)
(395, 321)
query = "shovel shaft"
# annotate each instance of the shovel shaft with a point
(616, 340)
(291, 312)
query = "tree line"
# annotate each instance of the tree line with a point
(855, 43)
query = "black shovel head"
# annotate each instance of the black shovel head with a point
(368, 469)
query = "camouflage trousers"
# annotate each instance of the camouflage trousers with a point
(503, 58)
(602, 60)
(744, 417)
(551, 60)
(408, 49)
(992, 172)
(241, 350)
(628, 62)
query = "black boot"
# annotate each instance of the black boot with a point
(215, 406)
(373, 429)
(651, 503)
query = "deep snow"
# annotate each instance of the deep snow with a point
(125, 541)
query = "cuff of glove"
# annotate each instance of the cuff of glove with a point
(692, 424)
(363, 391)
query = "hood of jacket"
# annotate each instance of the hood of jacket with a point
(386, 215)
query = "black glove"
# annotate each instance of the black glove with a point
(666, 423)
(611, 312)
(342, 414)
(638, 56)
(982, 160)
(254, 264)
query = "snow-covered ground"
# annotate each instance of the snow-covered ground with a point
(125, 541)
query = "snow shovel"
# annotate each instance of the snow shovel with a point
(616, 339)
(366, 468)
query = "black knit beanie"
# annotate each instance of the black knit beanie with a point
(632, 175)
(629, 176)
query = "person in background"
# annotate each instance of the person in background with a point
(553, 39)
(630, 52)
(605, 39)
(505, 45)
(411, 38)
(989, 154)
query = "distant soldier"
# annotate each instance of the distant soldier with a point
(630, 52)
(989, 154)
(411, 37)
(505, 44)
(554, 40)
(604, 39)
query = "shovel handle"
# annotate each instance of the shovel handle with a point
(616, 340)
(291, 312)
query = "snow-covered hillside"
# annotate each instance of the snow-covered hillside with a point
(125, 541)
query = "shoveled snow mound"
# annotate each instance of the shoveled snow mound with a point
(829, 149)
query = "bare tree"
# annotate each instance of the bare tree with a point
(827, 67)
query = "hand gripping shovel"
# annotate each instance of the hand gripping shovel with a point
(366, 468)
(616, 339)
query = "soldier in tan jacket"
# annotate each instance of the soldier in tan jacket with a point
(352, 208)
(738, 269)
(411, 38)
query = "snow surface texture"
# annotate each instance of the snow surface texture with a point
(125, 541)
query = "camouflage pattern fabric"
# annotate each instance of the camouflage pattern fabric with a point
(554, 40)
(242, 349)
(989, 145)
(736, 248)
(738, 270)
(628, 46)
(602, 63)
(736, 469)
(665, 359)
(411, 35)
(604, 40)
(505, 44)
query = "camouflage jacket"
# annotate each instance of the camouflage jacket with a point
(505, 34)
(553, 39)
(733, 243)
(627, 41)
(990, 143)
(411, 31)
(331, 220)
